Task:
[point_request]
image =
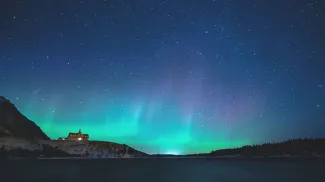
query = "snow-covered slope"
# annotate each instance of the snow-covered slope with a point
(92, 149)
(10, 143)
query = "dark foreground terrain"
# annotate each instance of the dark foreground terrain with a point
(167, 170)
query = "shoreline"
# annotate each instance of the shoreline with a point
(231, 159)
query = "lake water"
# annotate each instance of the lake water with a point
(162, 170)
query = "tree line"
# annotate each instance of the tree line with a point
(291, 147)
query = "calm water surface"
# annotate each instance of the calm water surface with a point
(162, 170)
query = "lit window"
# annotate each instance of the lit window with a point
(79, 138)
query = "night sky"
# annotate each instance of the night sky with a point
(167, 76)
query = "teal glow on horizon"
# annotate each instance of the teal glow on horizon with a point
(152, 126)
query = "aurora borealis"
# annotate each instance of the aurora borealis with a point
(180, 76)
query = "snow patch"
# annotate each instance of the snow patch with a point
(11, 143)
(89, 149)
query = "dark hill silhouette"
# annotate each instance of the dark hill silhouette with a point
(13, 123)
(292, 147)
(21, 137)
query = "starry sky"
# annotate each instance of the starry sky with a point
(167, 76)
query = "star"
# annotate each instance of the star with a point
(167, 74)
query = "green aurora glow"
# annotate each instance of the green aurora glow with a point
(140, 125)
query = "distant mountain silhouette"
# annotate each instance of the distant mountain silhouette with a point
(13, 123)
(292, 147)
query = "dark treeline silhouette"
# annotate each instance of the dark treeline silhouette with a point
(292, 147)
